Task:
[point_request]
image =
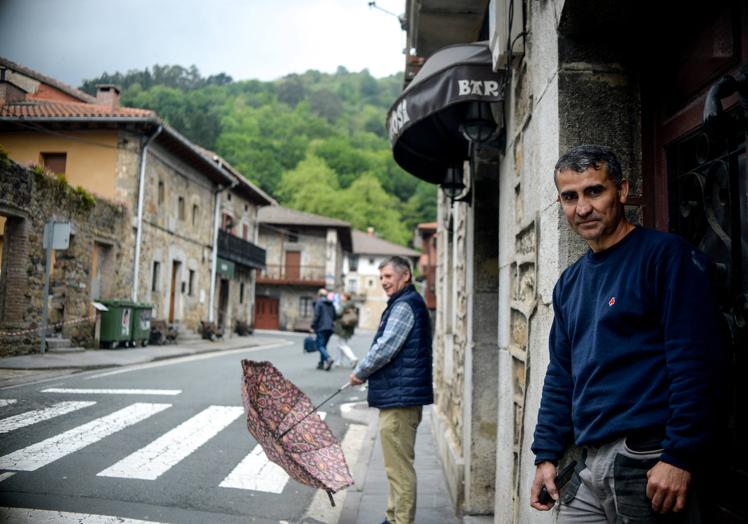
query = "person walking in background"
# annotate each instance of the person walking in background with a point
(322, 327)
(345, 325)
(398, 368)
(634, 361)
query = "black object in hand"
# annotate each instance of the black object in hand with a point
(562, 478)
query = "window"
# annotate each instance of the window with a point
(155, 276)
(371, 261)
(228, 197)
(180, 208)
(292, 236)
(245, 231)
(305, 307)
(371, 283)
(161, 192)
(246, 208)
(228, 223)
(191, 283)
(195, 213)
(353, 262)
(353, 285)
(241, 293)
(55, 162)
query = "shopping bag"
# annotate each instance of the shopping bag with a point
(310, 344)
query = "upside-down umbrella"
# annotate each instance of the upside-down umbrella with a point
(284, 422)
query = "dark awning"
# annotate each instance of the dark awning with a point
(424, 121)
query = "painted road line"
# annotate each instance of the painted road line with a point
(38, 415)
(6, 402)
(6, 475)
(54, 448)
(191, 358)
(256, 473)
(11, 515)
(162, 454)
(169, 392)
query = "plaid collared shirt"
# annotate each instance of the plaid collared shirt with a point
(384, 349)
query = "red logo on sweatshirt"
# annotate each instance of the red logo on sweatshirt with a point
(611, 301)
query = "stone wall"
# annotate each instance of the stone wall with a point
(177, 236)
(28, 200)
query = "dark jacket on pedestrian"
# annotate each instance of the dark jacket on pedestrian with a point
(324, 315)
(405, 380)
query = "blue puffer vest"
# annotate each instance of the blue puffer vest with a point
(406, 379)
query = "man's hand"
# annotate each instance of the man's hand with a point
(545, 475)
(354, 380)
(667, 486)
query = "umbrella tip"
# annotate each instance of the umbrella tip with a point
(332, 501)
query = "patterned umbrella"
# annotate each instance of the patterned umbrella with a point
(284, 422)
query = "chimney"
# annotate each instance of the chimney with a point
(107, 95)
(9, 92)
(370, 231)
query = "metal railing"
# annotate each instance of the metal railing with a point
(292, 273)
(240, 251)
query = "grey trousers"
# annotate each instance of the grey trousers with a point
(612, 488)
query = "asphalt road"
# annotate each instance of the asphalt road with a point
(164, 441)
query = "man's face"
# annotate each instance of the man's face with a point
(593, 205)
(392, 281)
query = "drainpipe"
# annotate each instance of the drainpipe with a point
(214, 262)
(141, 195)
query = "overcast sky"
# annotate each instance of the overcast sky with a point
(73, 40)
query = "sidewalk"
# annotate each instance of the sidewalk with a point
(366, 502)
(104, 358)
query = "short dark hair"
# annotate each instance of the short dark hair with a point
(400, 264)
(581, 158)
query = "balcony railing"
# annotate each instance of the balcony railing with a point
(300, 275)
(240, 251)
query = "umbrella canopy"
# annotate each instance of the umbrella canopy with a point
(424, 122)
(309, 452)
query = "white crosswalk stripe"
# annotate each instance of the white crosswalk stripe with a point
(169, 392)
(255, 472)
(18, 515)
(47, 451)
(38, 415)
(162, 454)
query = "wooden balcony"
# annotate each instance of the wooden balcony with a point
(275, 274)
(240, 251)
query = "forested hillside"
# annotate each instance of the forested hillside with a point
(315, 141)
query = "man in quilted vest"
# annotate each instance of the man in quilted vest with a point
(398, 369)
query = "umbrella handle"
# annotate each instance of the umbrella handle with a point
(315, 408)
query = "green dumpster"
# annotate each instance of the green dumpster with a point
(141, 324)
(116, 324)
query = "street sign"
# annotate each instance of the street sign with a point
(56, 235)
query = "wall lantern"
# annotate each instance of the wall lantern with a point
(453, 184)
(479, 125)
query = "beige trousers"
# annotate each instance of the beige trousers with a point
(397, 432)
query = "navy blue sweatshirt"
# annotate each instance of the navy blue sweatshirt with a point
(634, 345)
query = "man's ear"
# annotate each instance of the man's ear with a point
(623, 191)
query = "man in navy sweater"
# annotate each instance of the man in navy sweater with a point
(634, 360)
(398, 368)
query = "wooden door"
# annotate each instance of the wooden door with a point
(266, 313)
(173, 293)
(293, 264)
(696, 183)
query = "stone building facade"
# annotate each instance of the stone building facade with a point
(94, 266)
(305, 252)
(501, 251)
(175, 194)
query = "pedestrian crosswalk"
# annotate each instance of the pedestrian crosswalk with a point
(254, 472)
